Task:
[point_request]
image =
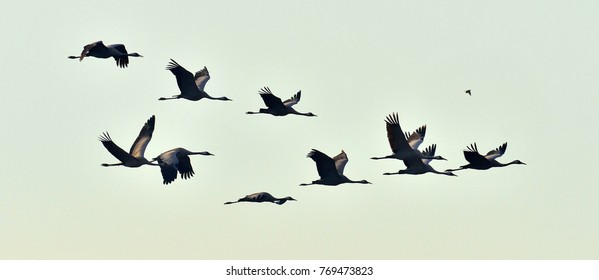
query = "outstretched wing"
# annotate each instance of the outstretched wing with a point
(122, 60)
(145, 135)
(168, 163)
(416, 138)
(185, 79)
(95, 45)
(473, 156)
(169, 173)
(429, 152)
(270, 100)
(201, 78)
(395, 135)
(115, 150)
(293, 100)
(184, 166)
(325, 165)
(493, 154)
(340, 162)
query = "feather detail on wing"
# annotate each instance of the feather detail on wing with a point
(145, 135)
(493, 154)
(201, 78)
(340, 162)
(293, 100)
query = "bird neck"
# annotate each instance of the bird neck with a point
(358, 182)
(509, 163)
(223, 98)
(200, 153)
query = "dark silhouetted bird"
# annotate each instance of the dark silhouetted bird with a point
(262, 197)
(277, 107)
(402, 147)
(416, 166)
(174, 160)
(135, 157)
(330, 169)
(99, 50)
(191, 86)
(480, 162)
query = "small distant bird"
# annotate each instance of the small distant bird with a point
(262, 197)
(480, 162)
(468, 92)
(330, 169)
(416, 166)
(276, 107)
(135, 157)
(99, 50)
(402, 147)
(191, 86)
(174, 160)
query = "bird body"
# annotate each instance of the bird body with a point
(99, 50)
(401, 148)
(174, 160)
(480, 162)
(135, 157)
(191, 86)
(276, 107)
(417, 166)
(330, 169)
(262, 197)
(469, 92)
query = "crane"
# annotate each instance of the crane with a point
(99, 50)
(276, 107)
(190, 85)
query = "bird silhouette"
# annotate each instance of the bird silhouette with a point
(330, 169)
(99, 50)
(480, 162)
(174, 160)
(276, 107)
(401, 148)
(469, 92)
(416, 166)
(135, 157)
(190, 85)
(262, 197)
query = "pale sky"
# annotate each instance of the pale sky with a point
(531, 65)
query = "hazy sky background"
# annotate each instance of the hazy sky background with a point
(532, 67)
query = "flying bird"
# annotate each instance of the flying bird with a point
(416, 166)
(469, 92)
(330, 169)
(403, 145)
(480, 162)
(99, 50)
(135, 157)
(262, 197)
(190, 85)
(174, 160)
(276, 107)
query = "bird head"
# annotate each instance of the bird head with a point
(135, 54)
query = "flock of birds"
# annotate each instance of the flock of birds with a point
(404, 145)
